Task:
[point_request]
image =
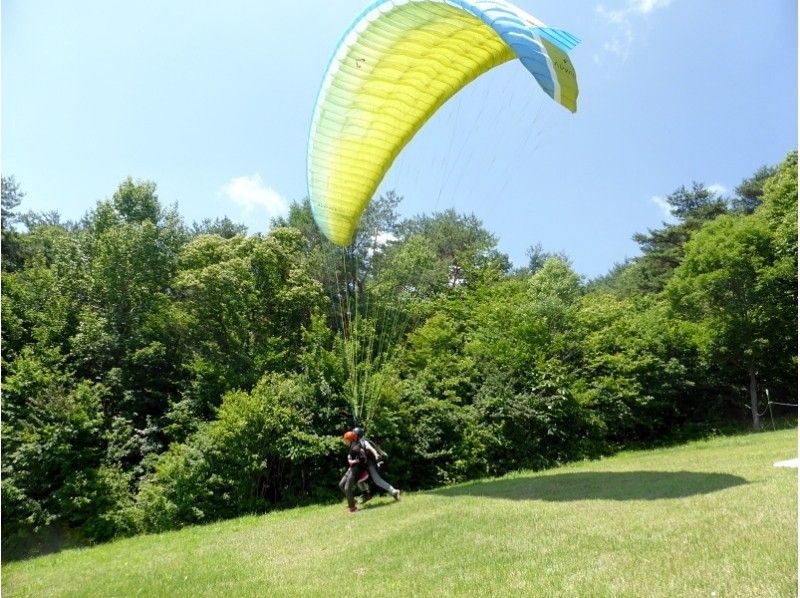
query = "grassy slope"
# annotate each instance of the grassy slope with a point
(705, 518)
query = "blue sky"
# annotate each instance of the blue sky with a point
(212, 101)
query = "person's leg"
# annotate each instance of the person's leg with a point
(346, 486)
(366, 495)
(362, 483)
(380, 482)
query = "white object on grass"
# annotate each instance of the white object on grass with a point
(787, 463)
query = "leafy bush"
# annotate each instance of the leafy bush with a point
(99, 503)
(539, 426)
(260, 451)
(52, 430)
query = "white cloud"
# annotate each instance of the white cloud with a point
(383, 238)
(662, 203)
(379, 240)
(623, 19)
(251, 193)
(718, 189)
(648, 6)
(634, 7)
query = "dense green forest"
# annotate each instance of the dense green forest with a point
(157, 374)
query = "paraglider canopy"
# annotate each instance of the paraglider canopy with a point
(397, 63)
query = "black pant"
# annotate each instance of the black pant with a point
(346, 485)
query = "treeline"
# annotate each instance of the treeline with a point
(157, 374)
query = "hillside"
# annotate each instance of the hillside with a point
(711, 518)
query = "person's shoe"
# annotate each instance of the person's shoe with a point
(396, 494)
(351, 509)
(365, 498)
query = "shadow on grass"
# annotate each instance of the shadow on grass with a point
(48, 540)
(374, 505)
(628, 485)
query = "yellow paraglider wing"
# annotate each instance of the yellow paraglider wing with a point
(394, 67)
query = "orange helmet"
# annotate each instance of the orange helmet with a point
(350, 436)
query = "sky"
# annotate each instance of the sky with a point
(213, 101)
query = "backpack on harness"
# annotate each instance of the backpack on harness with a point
(364, 443)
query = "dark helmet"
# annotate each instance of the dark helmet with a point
(359, 432)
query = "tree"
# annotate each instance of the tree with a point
(738, 284)
(408, 271)
(460, 243)
(224, 227)
(698, 203)
(663, 249)
(779, 212)
(537, 257)
(637, 367)
(750, 191)
(126, 334)
(12, 196)
(11, 248)
(137, 202)
(720, 286)
(243, 305)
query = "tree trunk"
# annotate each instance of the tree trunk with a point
(754, 398)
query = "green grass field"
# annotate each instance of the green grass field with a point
(710, 518)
